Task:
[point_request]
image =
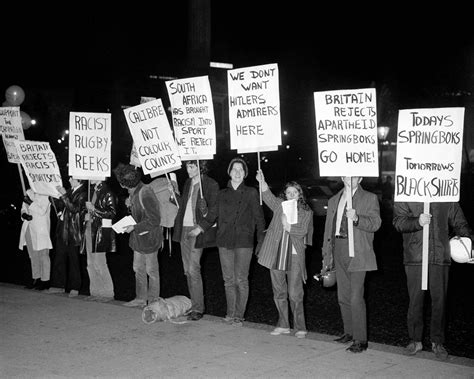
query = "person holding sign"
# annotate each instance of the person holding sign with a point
(67, 261)
(35, 234)
(409, 220)
(351, 271)
(194, 228)
(99, 238)
(145, 236)
(239, 220)
(287, 282)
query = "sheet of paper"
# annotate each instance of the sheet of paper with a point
(290, 210)
(121, 225)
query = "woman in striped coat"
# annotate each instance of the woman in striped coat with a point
(287, 278)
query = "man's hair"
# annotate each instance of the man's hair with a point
(238, 160)
(203, 165)
(127, 175)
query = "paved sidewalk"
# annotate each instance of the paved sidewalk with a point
(53, 336)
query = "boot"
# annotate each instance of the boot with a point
(32, 284)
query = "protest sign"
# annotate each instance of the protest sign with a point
(89, 145)
(41, 167)
(193, 117)
(254, 108)
(346, 129)
(10, 126)
(153, 138)
(428, 164)
(429, 152)
(134, 161)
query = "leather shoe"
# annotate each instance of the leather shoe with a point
(194, 316)
(33, 284)
(358, 347)
(345, 338)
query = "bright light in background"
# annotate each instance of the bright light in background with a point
(285, 132)
(59, 140)
(66, 132)
(33, 121)
(287, 146)
(221, 65)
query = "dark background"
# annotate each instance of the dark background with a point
(98, 58)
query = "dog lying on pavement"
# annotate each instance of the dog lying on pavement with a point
(166, 309)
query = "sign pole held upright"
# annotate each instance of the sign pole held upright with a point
(350, 226)
(426, 245)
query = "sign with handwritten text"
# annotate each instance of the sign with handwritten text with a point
(134, 161)
(193, 117)
(153, 138)
(41, 167)
(346, 129)
(10, 126)
(254, 108)
(429, 153)
(89, 145)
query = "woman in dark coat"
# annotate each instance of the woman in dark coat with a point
(99, 239)
(239, 220)
(68, 271)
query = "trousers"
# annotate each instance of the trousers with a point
(191, 257)
(235, 264)
(438, 286)
(147, 276)
(350, 293)
(289, 285)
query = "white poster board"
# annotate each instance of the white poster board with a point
(41, 167)
(12, 130)
(89, 145)
(254, 108)
(134, 161)
(346, 129)
(193, 117)
(429, 153)
(153, 138)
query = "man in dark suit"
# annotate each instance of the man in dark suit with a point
(351, 271)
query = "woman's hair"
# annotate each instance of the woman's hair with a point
(203, 165)
(238, 160)
(127, 175)
(302, 204)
